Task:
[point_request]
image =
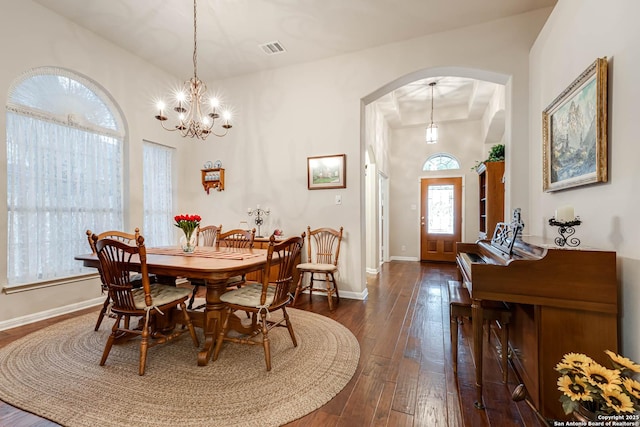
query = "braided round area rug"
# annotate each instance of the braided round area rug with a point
(54, 373)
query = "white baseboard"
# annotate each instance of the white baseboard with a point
(404, 258)
(373, 270)
(361, 296)
(355, 295)
(47, 314)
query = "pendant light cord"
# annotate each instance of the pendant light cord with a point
(432, 84)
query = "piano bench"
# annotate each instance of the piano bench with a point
(460, 306)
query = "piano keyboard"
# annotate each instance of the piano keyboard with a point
(472, 257)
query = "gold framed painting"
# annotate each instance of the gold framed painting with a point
(326, 172)
(574, 132)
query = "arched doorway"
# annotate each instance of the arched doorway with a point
(472, 137)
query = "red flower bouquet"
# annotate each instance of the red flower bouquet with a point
(188, 224)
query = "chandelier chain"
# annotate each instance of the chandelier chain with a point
(195, 40)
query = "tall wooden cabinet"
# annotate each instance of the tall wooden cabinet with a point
(491, 197)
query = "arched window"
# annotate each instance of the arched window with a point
(441, 161)
(64, 172)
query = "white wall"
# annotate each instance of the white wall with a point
(408, 153)
(289, 114)
(282, 117)
(578, 32)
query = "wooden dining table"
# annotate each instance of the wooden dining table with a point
(213, 265)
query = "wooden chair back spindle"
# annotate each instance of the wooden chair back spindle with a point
(325, 240)
(273, 296)
(237, 238)
(208, 236)
(323, 251)
(121, 237)
(119, 260)
(115, 257)
(288, 252)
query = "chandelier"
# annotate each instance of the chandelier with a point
(190, 104)
(432, 129)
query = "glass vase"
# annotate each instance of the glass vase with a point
(188, 242)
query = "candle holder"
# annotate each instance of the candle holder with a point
(566, 230)
(259, 213)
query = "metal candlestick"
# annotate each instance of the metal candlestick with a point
(259, 213)
(566, 230)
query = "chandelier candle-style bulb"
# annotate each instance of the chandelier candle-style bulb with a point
(194, 118)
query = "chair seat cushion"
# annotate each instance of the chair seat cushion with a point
(160, 295)
(247, 296)
(309, 266)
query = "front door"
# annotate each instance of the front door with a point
(441, 218)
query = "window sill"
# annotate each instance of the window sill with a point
(23, 287)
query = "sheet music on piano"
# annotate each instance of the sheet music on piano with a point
(504, 237)
(501, 244)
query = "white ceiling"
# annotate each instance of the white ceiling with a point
(230, 32)
(454, 99)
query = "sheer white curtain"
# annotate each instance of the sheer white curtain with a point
(61, 182)
(63, 176)
(158, 195)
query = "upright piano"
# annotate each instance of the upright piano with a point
(563, 300)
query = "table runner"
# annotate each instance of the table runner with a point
(203, 252)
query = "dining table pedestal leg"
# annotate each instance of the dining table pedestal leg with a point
(213, 313)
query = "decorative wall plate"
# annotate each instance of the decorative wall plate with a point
(208, 165)
(217, 164)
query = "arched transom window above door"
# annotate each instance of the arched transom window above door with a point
(441, 161)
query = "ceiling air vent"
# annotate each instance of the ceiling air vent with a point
(272, 48)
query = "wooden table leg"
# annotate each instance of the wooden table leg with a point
(477, 321)
(213, 312)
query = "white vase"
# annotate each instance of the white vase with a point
(188, 243)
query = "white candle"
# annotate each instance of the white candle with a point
(565, 214)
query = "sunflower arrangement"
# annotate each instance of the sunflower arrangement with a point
(601, 390)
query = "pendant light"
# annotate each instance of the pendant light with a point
(432, 129)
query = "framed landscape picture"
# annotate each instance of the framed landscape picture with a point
(574, 131)
(326, 172)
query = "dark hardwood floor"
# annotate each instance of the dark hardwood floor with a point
(404, 377)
